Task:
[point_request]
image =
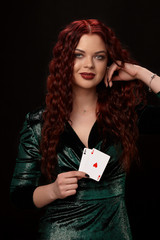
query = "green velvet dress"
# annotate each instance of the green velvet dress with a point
(98, 209)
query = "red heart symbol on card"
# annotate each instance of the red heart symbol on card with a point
(95, 165)
(98, 177)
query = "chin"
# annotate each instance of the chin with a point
(86, 84)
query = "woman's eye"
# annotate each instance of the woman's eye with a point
(100, 57)
(78, 55)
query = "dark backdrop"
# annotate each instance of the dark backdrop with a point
(30, 30)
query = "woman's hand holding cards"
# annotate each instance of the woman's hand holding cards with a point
(93, 163)
(66, 184)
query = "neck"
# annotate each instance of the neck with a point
(84, 100)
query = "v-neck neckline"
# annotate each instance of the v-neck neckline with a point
(89, 136)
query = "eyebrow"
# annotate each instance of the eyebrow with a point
(95, 52)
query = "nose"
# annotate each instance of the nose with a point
(89, 63)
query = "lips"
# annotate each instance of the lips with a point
(87, 76)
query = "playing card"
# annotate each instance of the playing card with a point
(85, 155)
(93, 162)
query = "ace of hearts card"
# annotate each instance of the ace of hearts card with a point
(93, 162)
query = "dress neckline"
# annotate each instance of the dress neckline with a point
(92, 137)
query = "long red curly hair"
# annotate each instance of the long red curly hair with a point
(116, 105)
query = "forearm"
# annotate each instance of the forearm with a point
(44, 195)
(145, 75)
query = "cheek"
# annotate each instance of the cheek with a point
(76, 67)
(103, 70)
(75, 70)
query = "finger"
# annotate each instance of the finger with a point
(114, 67)
(82, 175)
(77, 174)
(111, 70)
(71, 180)
(110, 84)
(71, 187)
(116, 78)
(106, 77)
(70, 192)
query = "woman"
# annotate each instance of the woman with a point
(83, 109)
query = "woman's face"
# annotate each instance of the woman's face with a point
(90, 61)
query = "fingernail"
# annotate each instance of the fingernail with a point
(110, 84)
(87, 175)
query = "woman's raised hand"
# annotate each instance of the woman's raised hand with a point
(125, 72)
(128, 71)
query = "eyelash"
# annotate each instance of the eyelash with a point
(78, 55)
(99, 57)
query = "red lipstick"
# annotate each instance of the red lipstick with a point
(87, 76)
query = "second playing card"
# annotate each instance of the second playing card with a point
(96, 164)
(93, 163)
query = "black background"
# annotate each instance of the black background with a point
(29, 31)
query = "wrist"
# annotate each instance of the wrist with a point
(51, 191)
(151, 79)
(44, 195)
(144, 75)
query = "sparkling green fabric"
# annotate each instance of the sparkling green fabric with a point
(98, 209)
